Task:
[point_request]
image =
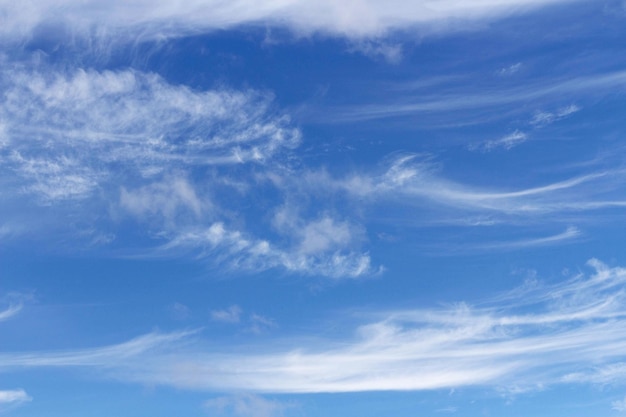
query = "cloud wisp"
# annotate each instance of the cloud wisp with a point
(450, 99)
(13, 398)
(68, 135)
(233, 248)
(417, 181)
(160, 19)
(537, 335)
(10, 311)
(506, 142)
(11, 304)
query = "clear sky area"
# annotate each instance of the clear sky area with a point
(312, 208)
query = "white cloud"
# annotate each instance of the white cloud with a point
(68, 134)
(13, 396)
(10, 311)
(507, 142)
(414, 179)
(231, 315)
(165, 198)
(619, 405)
(160, 18)
(446, 410)
(247, 405)
(450, 98)
(534, 336)
(11, 304)
(324, 234)
(568, 234)
(260, 324)
(320, 255)
(542, 119)
(510, 70)
(152, 147)
(391, 53)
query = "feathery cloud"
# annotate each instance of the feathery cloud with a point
(68, 134)
(159, 19)
(507, 142)
(11, 304)
(539, 334)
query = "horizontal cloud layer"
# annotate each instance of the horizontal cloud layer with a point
(154, 19)
(536, 335)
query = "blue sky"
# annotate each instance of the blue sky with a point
(312, 208)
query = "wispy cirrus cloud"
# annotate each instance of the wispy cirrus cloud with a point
(315, 256)
(452, 97)
(70, 134)
(416, 179)
(506, 142)
(10, 311)
(543, 118)
(158, 19)
(129, 136)
(569, 234)
(537, 335)
(11, 304)
(132, 144)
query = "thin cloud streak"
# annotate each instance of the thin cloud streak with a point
(549, 334)
(569, 235)
(415, 180)
(14, 303)
(410, 105)
(11, 311)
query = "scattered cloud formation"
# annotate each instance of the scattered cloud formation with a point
(237, 250)
(536, 335)
(68, 135)
(131, 137)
